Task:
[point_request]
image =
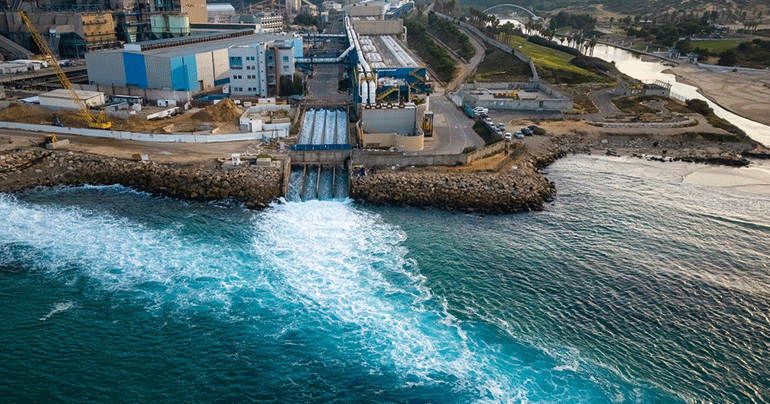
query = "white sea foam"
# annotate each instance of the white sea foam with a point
(157, 265)
(58, 308)
(351, 269)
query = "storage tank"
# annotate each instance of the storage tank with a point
(372, 92)
(364, 91)
(179, 25)
(158, 25)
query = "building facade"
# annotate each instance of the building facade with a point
(256, 70)
(178, 64)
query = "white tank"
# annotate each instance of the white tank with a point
(372, 92)
(364, 91)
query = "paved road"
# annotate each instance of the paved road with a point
(470, 67)
(453, 130)
(324, 83)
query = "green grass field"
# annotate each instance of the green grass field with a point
(717, 45)
(501, 66)
(546, 57)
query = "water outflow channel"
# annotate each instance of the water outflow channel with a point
(322, 129)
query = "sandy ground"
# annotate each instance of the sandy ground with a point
(194, 153)
(754, 179)
(744, 93)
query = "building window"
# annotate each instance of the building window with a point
(236, 62)
(286, 59)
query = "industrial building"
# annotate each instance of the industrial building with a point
(71, 29)
(256, 69)
(220, 13)
(188, 64)
(528, 96)
(268, 22)
(62, 99)
(389, 125)
(68, 34)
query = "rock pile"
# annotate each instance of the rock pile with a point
(520, 189)
(31, 167)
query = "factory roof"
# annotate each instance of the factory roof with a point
(384, 51)
(220, 7)
(65, 94)
(201, 46)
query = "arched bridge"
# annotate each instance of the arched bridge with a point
(518, 10)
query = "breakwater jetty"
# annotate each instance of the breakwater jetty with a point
(32, 167)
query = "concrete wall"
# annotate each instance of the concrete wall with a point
(365, 11)
(369, 158)
(196, 10)
(147, 94)
(379, 27)
(161, 72)
(143, 137)
(388, 120)
(221, 66)
(556, 102)
(307, 157)
(204, 62)
(106, 68)
(400, 142)
(68, 103)
(409, 143)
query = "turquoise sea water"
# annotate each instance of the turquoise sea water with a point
(631, 287)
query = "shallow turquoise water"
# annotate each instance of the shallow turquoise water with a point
(630, 287)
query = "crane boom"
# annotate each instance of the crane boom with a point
(100, 121)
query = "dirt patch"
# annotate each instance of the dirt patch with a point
(223, 111)
(224, 115)
(26, 114)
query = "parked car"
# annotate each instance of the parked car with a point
(508, 136)
(518, 135)
(526, 131)
(501, 126)
(533, 127)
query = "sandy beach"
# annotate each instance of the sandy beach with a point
(746, 93)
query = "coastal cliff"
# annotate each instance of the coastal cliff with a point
(31, 167)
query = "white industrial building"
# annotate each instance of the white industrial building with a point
(269, 22)
(256, 69)
(220, 13)
(62, 99)
(189, 64)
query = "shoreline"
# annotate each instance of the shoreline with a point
(746, 94)
(508, 182)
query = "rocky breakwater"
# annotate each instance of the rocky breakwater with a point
(31, 167)
(518, 187)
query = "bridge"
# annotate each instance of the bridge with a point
(518, 13)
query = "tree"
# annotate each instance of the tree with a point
(684, 46)
(612, 19)
(727, 58)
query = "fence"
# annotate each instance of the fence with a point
(198, 137)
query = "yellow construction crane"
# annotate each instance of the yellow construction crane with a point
(100, 122)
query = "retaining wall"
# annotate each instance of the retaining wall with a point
(374, 158)
(199, 137)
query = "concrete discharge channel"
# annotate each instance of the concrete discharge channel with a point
(323, 133)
